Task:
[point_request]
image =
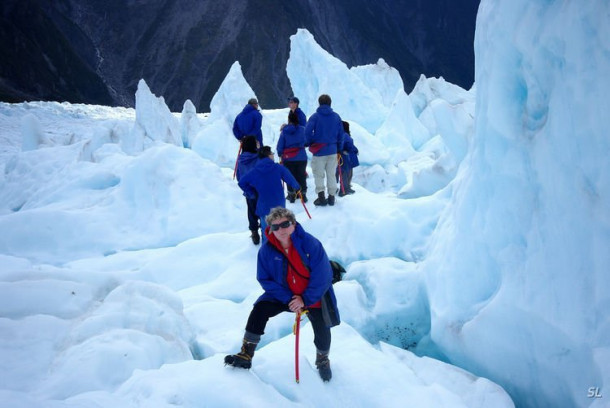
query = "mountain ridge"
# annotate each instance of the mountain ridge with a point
(184, 50)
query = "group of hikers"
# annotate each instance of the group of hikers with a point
(292, 267)
(326, 136)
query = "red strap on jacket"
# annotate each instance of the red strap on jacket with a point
(297, 275)
(316, 147)
(290, 152)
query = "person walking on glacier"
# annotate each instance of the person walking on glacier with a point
(264, 182)
(293, 104)
(291, 149)
(348, 160)
(324, 136)
(246, 162)
(249, 122)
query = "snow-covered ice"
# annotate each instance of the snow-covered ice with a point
(475, 245)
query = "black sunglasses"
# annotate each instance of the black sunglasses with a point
(285, 224)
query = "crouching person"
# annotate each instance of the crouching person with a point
(295, 274)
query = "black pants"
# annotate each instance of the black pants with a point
(350, 174)
(299, 170)
(252, 217)
(344, 178)
(263, 310)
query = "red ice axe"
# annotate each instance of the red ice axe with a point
(236, 160)
(296, 330)
(300, 195)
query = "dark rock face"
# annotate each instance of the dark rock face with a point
(97, 51)
(39, 61)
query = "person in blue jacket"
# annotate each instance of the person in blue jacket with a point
(347, 161)
(264, 181)
(291, 149)
(324, 136)
(295, 274)
(249, 122)
(246, 162)
(293, 104)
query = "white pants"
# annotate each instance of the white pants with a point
(325, 166)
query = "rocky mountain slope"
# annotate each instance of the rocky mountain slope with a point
(96, 52)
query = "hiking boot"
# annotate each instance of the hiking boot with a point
(321, 200)
(331, 200)
(323, 365)
(349, 190)
(291, 197)
(304, 195)
(243, 359)
(342, 193)
(256, 239)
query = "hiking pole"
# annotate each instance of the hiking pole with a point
(339, 164)
(236, 159)
(282, 164)
(300, 194)
(296, 330)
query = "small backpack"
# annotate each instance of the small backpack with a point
(338, 271)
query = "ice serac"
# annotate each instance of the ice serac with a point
(402, 132)
(215, 141)
(382, 78)
(189, 123)
(313, 71)
(31, 133)
(524, 300)
(154, 121)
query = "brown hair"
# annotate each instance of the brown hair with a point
(277, 213)
(293, 118)
(324, 100)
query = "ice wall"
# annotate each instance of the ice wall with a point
(313, 71)
(519, 269)
(215, 140)
(154, 122)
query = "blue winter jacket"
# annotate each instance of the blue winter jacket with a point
(265, 181)
(325, 127)
(301, 116)
(353, 155)
(349, 153)
(272, 269)
(248, 122)
(245, 163)
(292, 137)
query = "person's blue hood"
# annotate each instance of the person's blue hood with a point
(248, 158)
(248, 108)
(290, 129)
(264, 164)
(324, 110)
